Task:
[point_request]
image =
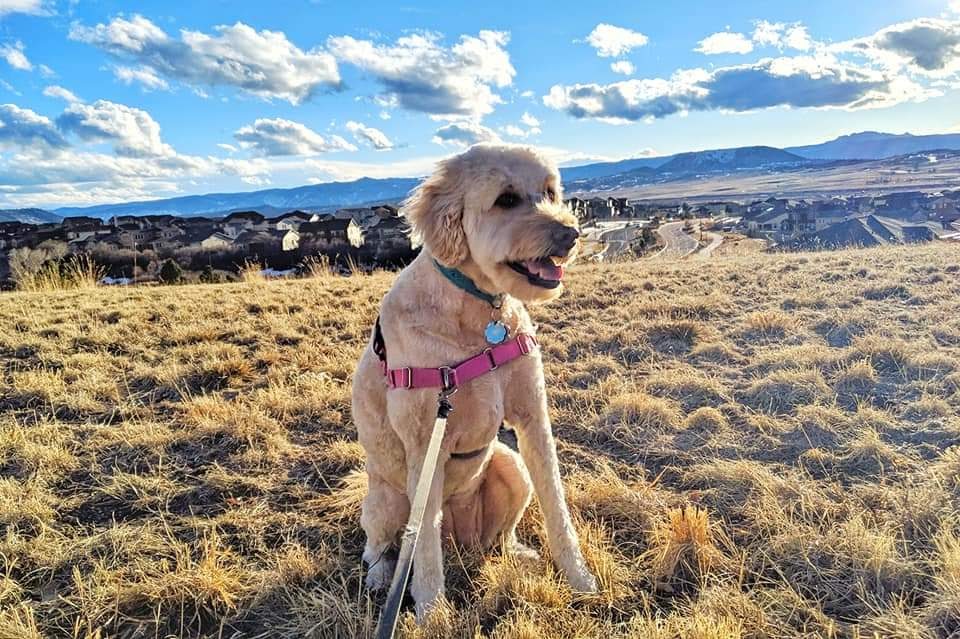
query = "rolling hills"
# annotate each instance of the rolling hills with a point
(604, 176)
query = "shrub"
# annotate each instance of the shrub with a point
(170, 272)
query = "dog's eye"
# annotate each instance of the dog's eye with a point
(551, 195)
(508, 200)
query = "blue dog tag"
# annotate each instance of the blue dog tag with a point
(495, 332)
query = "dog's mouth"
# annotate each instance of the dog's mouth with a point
(546, 272)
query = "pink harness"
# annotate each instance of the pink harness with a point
(452, 377)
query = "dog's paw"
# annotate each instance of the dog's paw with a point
(583, 582)
(523, 553)
(380, 574)
(426, 608)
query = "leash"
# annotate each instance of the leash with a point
(391, 608)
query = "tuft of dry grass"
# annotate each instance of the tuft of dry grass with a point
(683, 549)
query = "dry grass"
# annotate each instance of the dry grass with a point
(756, 446)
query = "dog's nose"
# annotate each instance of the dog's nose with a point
(565, 238)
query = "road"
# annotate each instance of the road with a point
(676, 244)
(715, 240)
(613, 236)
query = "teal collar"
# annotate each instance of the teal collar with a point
(464, 283)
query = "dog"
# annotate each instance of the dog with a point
(494, 214)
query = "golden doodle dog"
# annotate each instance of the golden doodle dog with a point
(496, 235)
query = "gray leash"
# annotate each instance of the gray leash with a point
(391, 608)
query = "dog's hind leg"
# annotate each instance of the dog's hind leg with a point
(505, 494)
(385, 511)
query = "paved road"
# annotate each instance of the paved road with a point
(676, 244)
(614, 236)
(715, 240)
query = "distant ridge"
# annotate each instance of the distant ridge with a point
(314, 196)
(30, 216)
(870, 145)
(867, 145)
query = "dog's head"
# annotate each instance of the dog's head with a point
(498, 210)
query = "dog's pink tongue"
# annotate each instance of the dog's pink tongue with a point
(544, 269)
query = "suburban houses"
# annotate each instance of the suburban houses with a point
(366, 236)
(131, 246)
(912, 216)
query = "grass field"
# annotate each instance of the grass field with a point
(755, 446)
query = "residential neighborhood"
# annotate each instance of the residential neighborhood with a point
(835, 222)
(133, 247)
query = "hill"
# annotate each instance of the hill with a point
(870, 145)
(31, 216)
(312, 197)
(755, 446)
(748, 157)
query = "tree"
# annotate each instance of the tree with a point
(170, 272)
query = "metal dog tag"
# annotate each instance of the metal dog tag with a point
(495, 332)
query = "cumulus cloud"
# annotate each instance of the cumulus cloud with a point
(531, 123)
(132, 132)
(803, 81)
(56, 91)
(15, 57)
(623, 67)
(144, 76)
(783, 36)
(420, 74)
(262, 63)
(725, 42)
(274, 137)
(464, 134)
(927, 46)
(529, 120)
(611, 41)
(33, 7)
(374, 137)
(26, 128)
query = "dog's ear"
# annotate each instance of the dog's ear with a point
(435, 212)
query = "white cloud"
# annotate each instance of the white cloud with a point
(611, 41)
(802, 81)
(419, 74)
(144, 76)
(15, 57)
(273, 137)
(229, 148)
(27, 129)
(55, 91)
(955, 6)
(133, 132)
(725, 42)
(529, 120)
(624, 67)
(46, 71)
(464, 134)
(531, 123)
(375, 137)
(768, 33)
(797, 37)
(262, 63)
(782, 36)
(925, 46)
(346, 171)
(33, 7)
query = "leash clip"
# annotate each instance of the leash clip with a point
(448, 379)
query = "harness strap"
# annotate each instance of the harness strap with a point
(448, 377)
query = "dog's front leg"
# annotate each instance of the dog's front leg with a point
(539, 452)
(414, 423)
(427, 585)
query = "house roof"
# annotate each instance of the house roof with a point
(252, 216)
(323, 226)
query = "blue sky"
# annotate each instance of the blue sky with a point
(109, 101)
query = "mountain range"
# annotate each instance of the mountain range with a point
(867, 145)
